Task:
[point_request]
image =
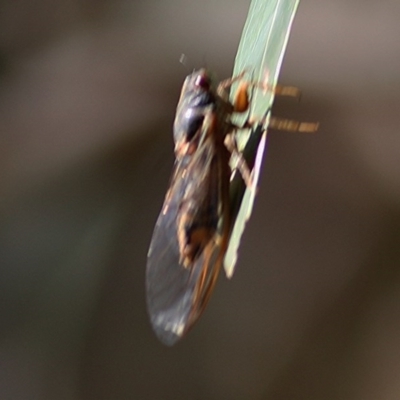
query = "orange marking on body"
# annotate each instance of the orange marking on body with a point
(200, 236)
(241, 102)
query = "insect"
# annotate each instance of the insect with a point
(192, 232)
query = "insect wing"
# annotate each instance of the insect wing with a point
(177, 295)
(261, 52)
(169, 286)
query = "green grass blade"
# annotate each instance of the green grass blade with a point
(260, 52)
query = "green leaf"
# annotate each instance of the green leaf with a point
(261, 50)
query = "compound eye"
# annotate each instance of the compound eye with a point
(202, 81)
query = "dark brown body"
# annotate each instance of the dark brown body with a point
(192, 232)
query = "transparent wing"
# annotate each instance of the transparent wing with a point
(260, 52)
(177, 295)
(167, 283)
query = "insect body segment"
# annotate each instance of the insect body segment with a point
(199, 209)
(200, 127)
(192, 231)
(196, 101)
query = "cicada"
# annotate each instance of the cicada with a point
(192, 232)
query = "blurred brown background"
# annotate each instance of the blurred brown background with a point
(87, 97)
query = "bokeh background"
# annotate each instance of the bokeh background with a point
(87, 97)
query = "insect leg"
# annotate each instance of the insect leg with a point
(282, 124)
(290, 125)
(242, 98)
(239, 162)
(228, 82)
